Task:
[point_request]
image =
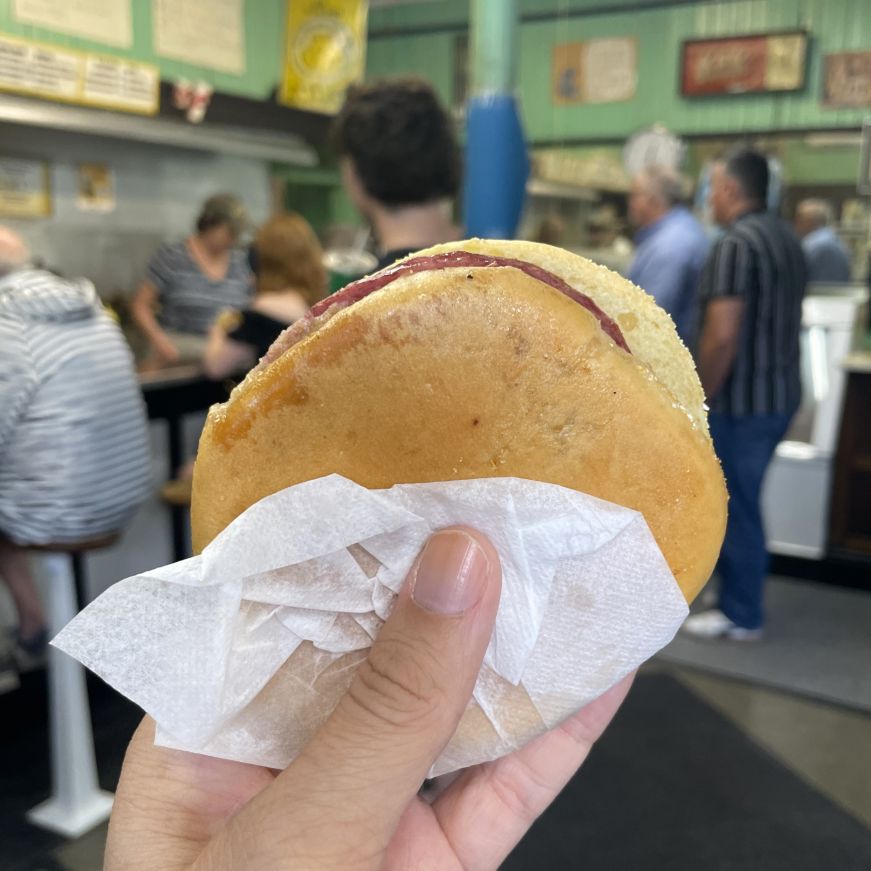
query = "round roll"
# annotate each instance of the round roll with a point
(479, 359)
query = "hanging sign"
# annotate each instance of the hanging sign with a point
(325, 51)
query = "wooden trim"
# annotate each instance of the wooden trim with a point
(745, 134)
(603, 8)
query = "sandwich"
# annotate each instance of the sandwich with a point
(477, 359)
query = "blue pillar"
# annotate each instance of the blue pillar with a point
(497, 165)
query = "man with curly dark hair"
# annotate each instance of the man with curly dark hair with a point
(400, 163)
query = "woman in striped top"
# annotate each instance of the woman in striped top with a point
(189, 282)
(74, 454)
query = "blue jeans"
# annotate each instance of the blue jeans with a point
(745, 446)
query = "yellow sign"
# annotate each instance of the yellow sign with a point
(325, 51)
(54, 73)
(96, 188)
(24, 189)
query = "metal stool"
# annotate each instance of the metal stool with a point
(77, 803)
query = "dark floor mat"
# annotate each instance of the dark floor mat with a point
(673, 786)
(24, 762)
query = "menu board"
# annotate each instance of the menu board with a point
(204, 33)
(106, 21)
(41, 70)
(76, 77)
(116, 84)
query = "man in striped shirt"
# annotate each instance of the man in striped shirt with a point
(748, 358)
(74, 452)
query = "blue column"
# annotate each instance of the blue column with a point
(496, 166)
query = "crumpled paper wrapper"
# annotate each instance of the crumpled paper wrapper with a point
(243, 651)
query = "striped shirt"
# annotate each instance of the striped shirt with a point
(760, 260)
(189, 300)
(74, 452)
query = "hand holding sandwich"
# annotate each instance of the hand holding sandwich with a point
(350, 799)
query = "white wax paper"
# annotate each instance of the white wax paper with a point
(243, 651)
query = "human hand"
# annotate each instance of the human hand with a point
(165, 349)
(349, 800)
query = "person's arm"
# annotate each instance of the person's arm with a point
(225, 356)
(142, 309)
(719, 342)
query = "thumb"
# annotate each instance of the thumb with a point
(407, 697)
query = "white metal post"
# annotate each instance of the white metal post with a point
(77, 804)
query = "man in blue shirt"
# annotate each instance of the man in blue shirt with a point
(671, 246)
(827, 258)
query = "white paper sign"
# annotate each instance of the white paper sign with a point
(118, 84)
(204, 33)
(610, 70)
(41, 70)
(106, 21)
(243, 651)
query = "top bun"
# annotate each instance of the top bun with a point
(477, 372)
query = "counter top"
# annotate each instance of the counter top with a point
(171, 375)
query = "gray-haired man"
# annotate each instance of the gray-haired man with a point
(671, 246)
(827, 258)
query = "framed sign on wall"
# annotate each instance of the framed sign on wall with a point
(847, 80)
(25, 191)
(769, 62)
(595, 71)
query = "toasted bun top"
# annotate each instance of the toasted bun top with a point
(479, 372)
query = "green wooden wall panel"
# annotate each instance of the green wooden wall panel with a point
(430, 56)
(834, 25)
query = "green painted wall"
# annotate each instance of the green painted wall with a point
(430, 56)
(834, 25)
(264, 36)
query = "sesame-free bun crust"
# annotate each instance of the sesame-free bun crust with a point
(480, 372)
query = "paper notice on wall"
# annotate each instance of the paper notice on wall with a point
(96, 183)
(596, 71)
(75, 77)
(324, 52)
(203, 33)
(610, 70)
(24, 189)
(106, 21)
(41, 70)
(116, 84)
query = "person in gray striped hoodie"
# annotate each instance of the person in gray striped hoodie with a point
(74, 454)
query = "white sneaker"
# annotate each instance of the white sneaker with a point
(715, 624)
